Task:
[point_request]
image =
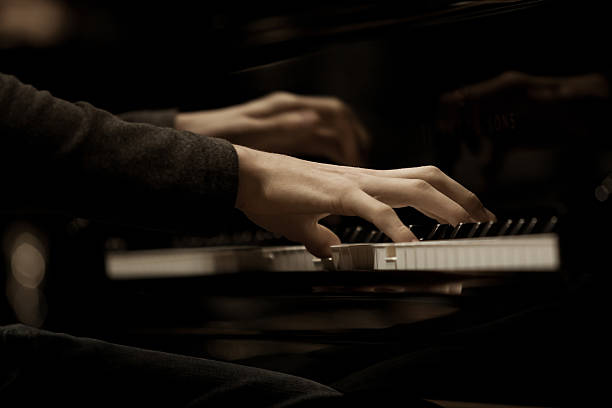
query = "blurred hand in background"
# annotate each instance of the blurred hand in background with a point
(281, 122)
(516, 108)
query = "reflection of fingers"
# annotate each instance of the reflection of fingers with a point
(505, 81)
(322, 146)
(324, 104)
(419, 194)
(278, 102)
(346, 145)
(336, 113)
(350, 146)
(330, 111)
(287, 122)
(338, 117)
(378, 213)
(271, 104)
(363, 137)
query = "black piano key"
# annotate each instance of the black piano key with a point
(420, 231)
(504, 228)
(440, 231)
(370, 236)
(355, 235)
(462, 230)
(346, 234)
(529, 228)
(473, 232)
(497, 229)
(455, 231)
(377, 237)
(484, 228)
(550, 226)
(516, 227)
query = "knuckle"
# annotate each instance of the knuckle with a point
(283, 98)
(347, 193)
(420, 185)
(432, 172)
(337, 105)
(279, 94)
(384, 211)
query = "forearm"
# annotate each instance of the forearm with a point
(78, 158)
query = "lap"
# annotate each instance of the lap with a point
(46, 367)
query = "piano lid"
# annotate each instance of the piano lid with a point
(295, 29)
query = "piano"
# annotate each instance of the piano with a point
(507, 313)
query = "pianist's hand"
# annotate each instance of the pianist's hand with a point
(286, 123)
(289, 196)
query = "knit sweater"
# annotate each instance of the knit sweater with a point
(75, 158)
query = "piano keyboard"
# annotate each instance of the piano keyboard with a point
(510, 245)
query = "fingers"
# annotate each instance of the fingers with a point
(455, 191)
(279, 102)
(506, 81)
(302, 228)
(378, 213)
(348, 151)
(336, 115)
(435, 178)
(327, 118)
(270, 104)
(300, 133)
(317, 239)
(397, 192)
(288, 122)
(303, 132)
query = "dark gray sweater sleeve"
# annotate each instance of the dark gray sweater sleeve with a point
(164, 118)
(57, 155)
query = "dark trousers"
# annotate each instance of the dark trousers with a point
(42, 368)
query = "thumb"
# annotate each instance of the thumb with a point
(318, 239)
(300, 228)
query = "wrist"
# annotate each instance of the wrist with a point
(184, 121)
(248, 175)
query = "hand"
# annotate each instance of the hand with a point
(289, 124)
(289, 196)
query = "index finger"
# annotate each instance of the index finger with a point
(363, 205)
(447, 186)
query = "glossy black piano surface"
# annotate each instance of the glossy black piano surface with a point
(528, 339)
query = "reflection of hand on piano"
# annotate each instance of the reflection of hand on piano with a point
(289, 196)
(532, 107)
(286, 123)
